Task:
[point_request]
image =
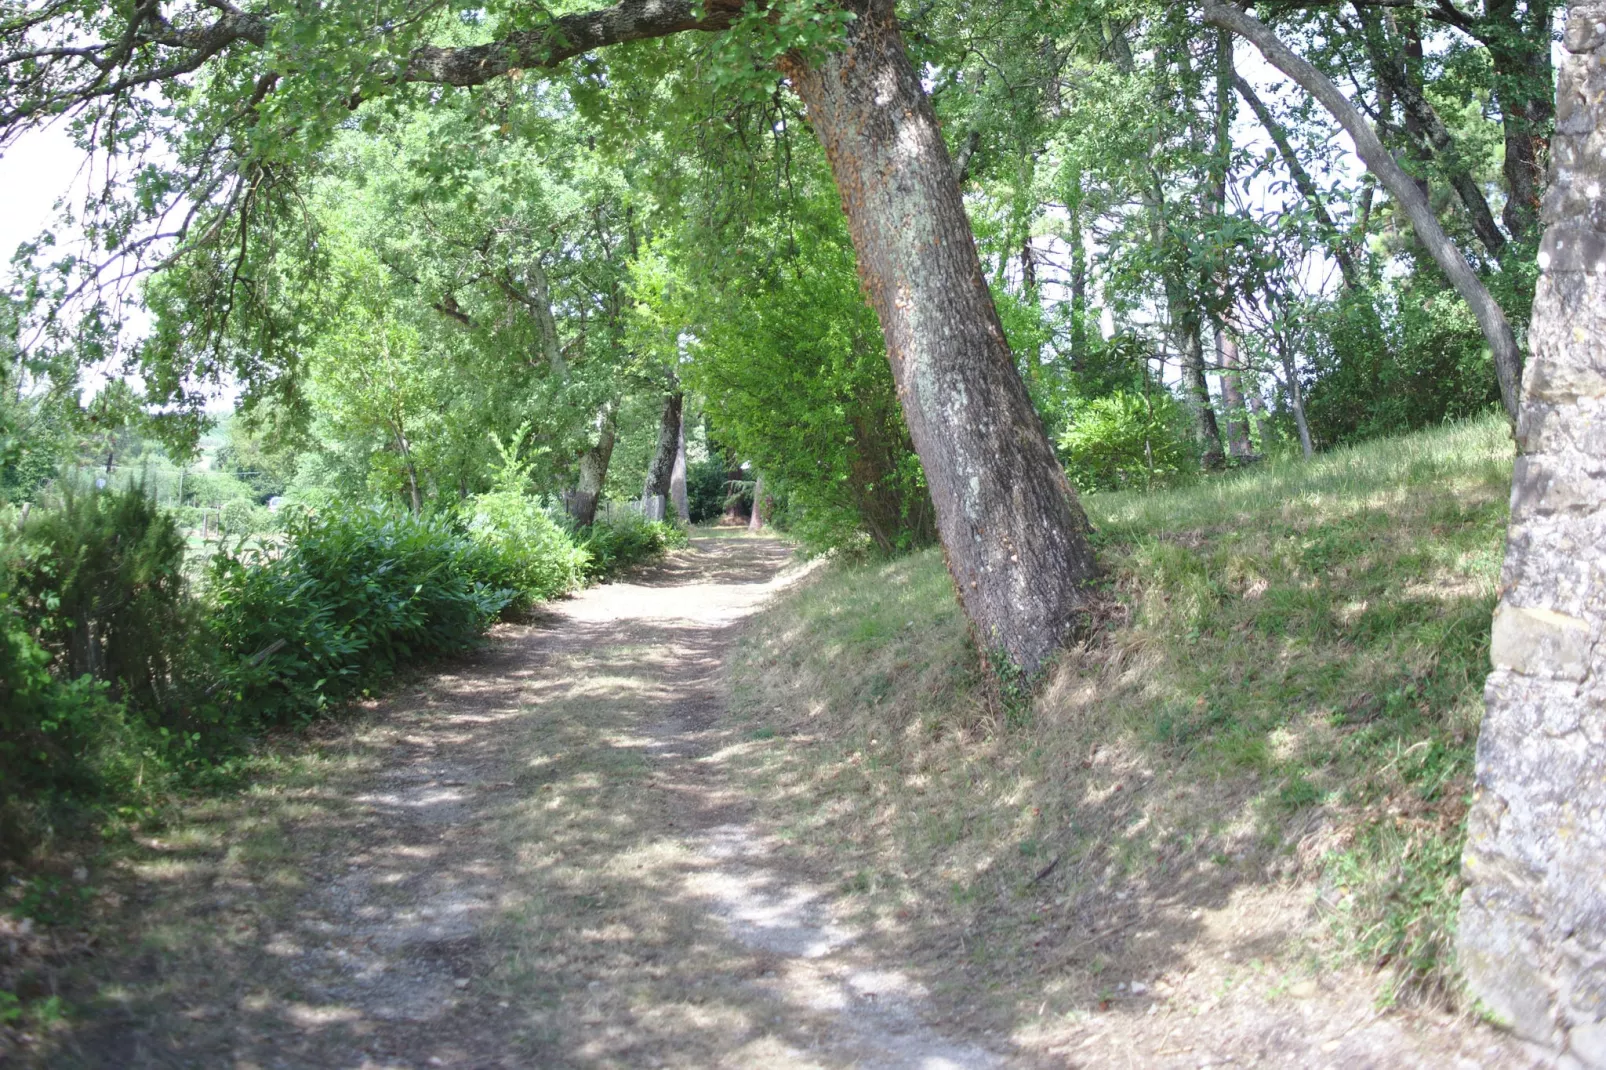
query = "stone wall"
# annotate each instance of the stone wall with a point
(1533, 920)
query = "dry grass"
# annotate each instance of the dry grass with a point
(1273, 742)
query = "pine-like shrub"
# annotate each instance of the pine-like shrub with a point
(99, 581)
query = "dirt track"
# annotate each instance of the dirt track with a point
(533, 858)
(543, 856)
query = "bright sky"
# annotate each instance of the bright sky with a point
(33, 174)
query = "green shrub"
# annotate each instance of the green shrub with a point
(706, 489)
(99, 581)
(525, 551)
(244, 517)
(624, 540)
(350, 598)
(51, 730)
(1125, 441)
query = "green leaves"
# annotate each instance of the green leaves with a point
(354, 595)
(747, 56)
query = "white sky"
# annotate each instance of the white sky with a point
(33, 174)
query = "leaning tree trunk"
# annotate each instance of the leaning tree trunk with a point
(1532, 931)
(1013, 533)
(661, 469)
(594, 470)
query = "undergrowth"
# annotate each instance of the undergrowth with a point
(1286, 694)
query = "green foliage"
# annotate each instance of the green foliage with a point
(210, 489)
(354, 596)
(56, 735)
(242, 517)
(1125, 440)
(624, 540)
(100, 578)
(794, 370)
(524, 550)
(1423, 364)
(707, 487)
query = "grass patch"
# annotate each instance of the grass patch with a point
(1286, 697)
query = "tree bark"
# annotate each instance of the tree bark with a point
(1013, 533)
(755, 519)
(1296, 395)
(660, 470)
(677, 475)
(1491, 318)
(1191, 344)
(1233, 408)
(1519, 53)
(1232, 397)
(1532, 932)
(594, 470)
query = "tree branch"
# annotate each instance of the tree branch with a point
(1491, 317)
(1336, 244)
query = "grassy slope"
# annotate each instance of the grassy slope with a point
(1283, 694)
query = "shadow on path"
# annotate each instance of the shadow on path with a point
(535, 857)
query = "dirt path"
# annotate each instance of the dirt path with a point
(534, 858)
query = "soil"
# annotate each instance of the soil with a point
(541, 856)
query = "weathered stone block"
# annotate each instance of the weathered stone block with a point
(1540, 642)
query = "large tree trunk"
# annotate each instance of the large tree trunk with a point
(1014, 536)
(1491, 318)
(1532, 930)
(594, 470)
(660, 470)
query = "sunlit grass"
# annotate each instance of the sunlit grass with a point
(1287, 688)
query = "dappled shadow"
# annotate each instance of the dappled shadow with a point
(1117, 879)
(532, 858)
